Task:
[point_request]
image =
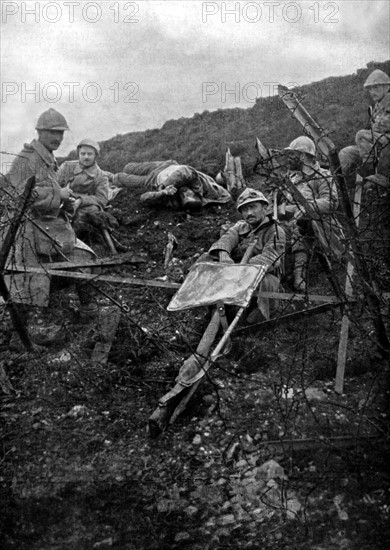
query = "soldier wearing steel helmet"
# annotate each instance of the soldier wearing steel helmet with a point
(269, 248)
(46, 234)
(37, 159)
(318, 188)
(87, 181)
(375, 141)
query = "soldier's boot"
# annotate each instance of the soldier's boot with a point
(254, 317)
(89, 310)
(16, 344)
(40, 340)
(300, 271)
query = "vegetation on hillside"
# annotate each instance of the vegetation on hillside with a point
(337, 103)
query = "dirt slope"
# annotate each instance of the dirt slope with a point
(80, 470)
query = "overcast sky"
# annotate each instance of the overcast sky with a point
(116, 67)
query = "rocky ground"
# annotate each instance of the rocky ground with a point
(266, 456)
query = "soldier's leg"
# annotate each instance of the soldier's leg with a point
(300, 270)
(270, 283)
(26, 316)
(23, 314)
(129, 181)
(300, 259)
(368, 144)
(86, 291)
(383, 167)
(143, 168)
(350, 160)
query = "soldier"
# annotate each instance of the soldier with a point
(371, 143)
(268, 251)
(88, 183)
(318, 188)
(166, 182)
(46, 235)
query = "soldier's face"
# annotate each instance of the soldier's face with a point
(378, 91)
(51, 139)
(253, 213)
(294, 160)
(87, 156)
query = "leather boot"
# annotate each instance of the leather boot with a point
(40, 338)
(15, 344)
(89, 313)
(89, 310)
(300, 263)
(255, 317)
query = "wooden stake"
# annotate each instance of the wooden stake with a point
(343, 343)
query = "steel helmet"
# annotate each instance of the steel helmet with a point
(51, 120)
(302, 144)
(219, 178)
(377, 77)
(251, 195)
(89, 143)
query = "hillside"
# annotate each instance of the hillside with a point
(337, 103)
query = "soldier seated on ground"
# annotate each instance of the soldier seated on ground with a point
(375, 142)
(46, 234)
(88, 184)
(319, 189)
(269, 246)
(171, 184)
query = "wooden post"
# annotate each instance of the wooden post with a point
(240, 182)
(229, 171)
(233, 173)
(343, 343)
(262, 150)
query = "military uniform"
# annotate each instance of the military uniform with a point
(90, 185)
(32, 246)
(154, 177)
(269, 251)
(377, 137)
(320, 191)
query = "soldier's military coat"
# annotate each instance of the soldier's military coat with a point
(36, 160)
(90, 185)
(269, 247)
(45, 233)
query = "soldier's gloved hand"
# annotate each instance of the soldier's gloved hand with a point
(65, 193)
(225, 258)
(170, 190)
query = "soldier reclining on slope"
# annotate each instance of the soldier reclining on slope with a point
(172, 184)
